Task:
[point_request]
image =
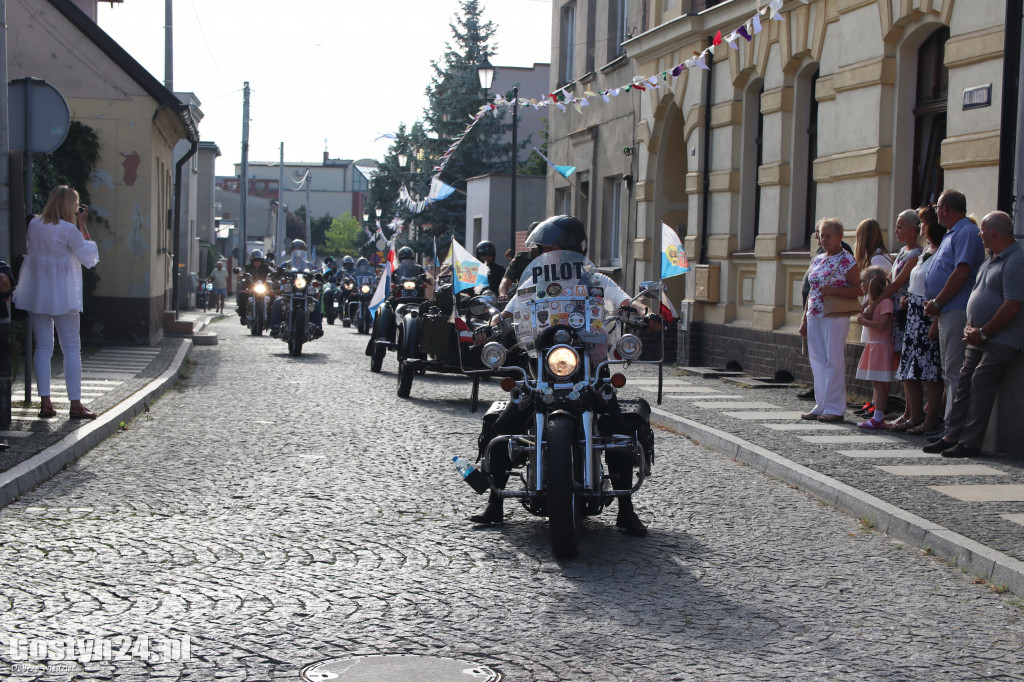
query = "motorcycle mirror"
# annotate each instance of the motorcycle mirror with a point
(236, 270)
(481, 305)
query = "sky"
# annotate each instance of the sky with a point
(344, 71)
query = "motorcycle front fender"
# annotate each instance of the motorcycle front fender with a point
(387, 326)
(410, 334)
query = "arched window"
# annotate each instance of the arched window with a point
(750, 163)
(811, 201)
(930, 118)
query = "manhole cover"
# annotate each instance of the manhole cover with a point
(397, 667)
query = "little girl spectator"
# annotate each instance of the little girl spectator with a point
(877, 362)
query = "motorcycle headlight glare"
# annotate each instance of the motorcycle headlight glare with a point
(629, 347)
(349, 285)
(260, 288)
(409, 285)
(365, 288)
(563, 361)
(493, 355)
(300, 282)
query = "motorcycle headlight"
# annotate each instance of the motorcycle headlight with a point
(260, 288)
(409, 285)
(349, 285)
(563, 361)
(365, 288)
(493, 355)
(629, 347)
(300, 282)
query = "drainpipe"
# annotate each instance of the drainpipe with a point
(1010, 123)
(706, 208)
(193, 147)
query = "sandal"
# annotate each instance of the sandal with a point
(47, 414)
(872, 424)
(921, 429)
(904, 425)
(82, 413)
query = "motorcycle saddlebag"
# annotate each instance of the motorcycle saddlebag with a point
(438, 337)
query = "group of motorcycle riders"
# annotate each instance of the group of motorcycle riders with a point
(558, 233)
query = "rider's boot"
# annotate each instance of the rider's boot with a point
(627, 519)
(494, 512)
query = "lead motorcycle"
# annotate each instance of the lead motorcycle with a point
(405, 290)
(258, 302)
(565, 411)
(300, 290)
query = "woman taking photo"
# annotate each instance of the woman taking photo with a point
(50, 289)
(832, 273)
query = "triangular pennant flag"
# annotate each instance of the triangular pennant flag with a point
(757, 24)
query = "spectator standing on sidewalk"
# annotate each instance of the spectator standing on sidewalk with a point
(949, 283)
(993, 336)
(833, 272)
(50, 289)
(220, 285)
(877, 361)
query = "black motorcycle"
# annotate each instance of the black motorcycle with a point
(565, 411)
(332, 301)
(300, 291)
(405, 290)
(358, 306)
(257, 304)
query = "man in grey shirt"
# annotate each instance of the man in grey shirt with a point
(994, 335)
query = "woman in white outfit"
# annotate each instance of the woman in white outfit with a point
(50, 289)
(833, 272)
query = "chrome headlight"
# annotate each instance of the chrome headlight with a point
(493, 355)
(365, 288)
(629, 347)
(260, 288)
(563, 361)
(409, 285)
(300, 282)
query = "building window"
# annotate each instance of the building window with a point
(611, 221)
(563, 201)
(618, 28)
(930, 118)
(567, 44)
(698, 6)
(810, 155)
(582, 208)
(750, 190)
(359, 182)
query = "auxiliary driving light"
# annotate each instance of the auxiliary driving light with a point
(629, 347)
(493, 354)
(563, 361)
(300, 282)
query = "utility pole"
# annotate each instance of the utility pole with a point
(5, 228)
(309, 229)
(243, 195)
(281, 234)
(515, 164)
(169, 51)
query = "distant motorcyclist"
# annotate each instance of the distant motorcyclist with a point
(485, 253)
(297, 261)
(407, 265)
(259, 270)
(348, 266)
(555, 234)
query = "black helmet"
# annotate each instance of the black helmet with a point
(347, 260)
(564, 231)
(256, 253)
(297, 245)
(361, 262)
(406, 253)
(485, 248)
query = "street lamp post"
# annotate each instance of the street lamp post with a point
(486, 73)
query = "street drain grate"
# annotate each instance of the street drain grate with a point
(383, 668)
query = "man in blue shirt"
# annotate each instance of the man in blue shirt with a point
(949, 282)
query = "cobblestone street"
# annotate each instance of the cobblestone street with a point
(281, 511)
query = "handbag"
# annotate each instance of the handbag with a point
(835, 305)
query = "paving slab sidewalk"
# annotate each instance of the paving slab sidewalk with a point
(972, 516)
(118, 383)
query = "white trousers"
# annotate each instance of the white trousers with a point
(952, 349)
(826, 351)
(70, 346)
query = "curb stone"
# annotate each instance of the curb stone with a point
(23, 477)
(996, 567)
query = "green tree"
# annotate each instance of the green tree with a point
(345, 237)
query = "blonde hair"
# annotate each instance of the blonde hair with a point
(876, 278)
(832, 224)
(62, 205)
(869, 241)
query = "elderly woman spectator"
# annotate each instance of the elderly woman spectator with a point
(920, 363)
(51, 291)
(908, 232)
(833, 272)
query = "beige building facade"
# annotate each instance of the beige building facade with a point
(849, 108)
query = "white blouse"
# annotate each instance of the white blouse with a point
(50, 281)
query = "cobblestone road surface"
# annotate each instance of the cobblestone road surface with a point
(283, 511)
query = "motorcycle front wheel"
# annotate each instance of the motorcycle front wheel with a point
(565, 510)
(256, 325)
(297, 335)
(364, 322)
